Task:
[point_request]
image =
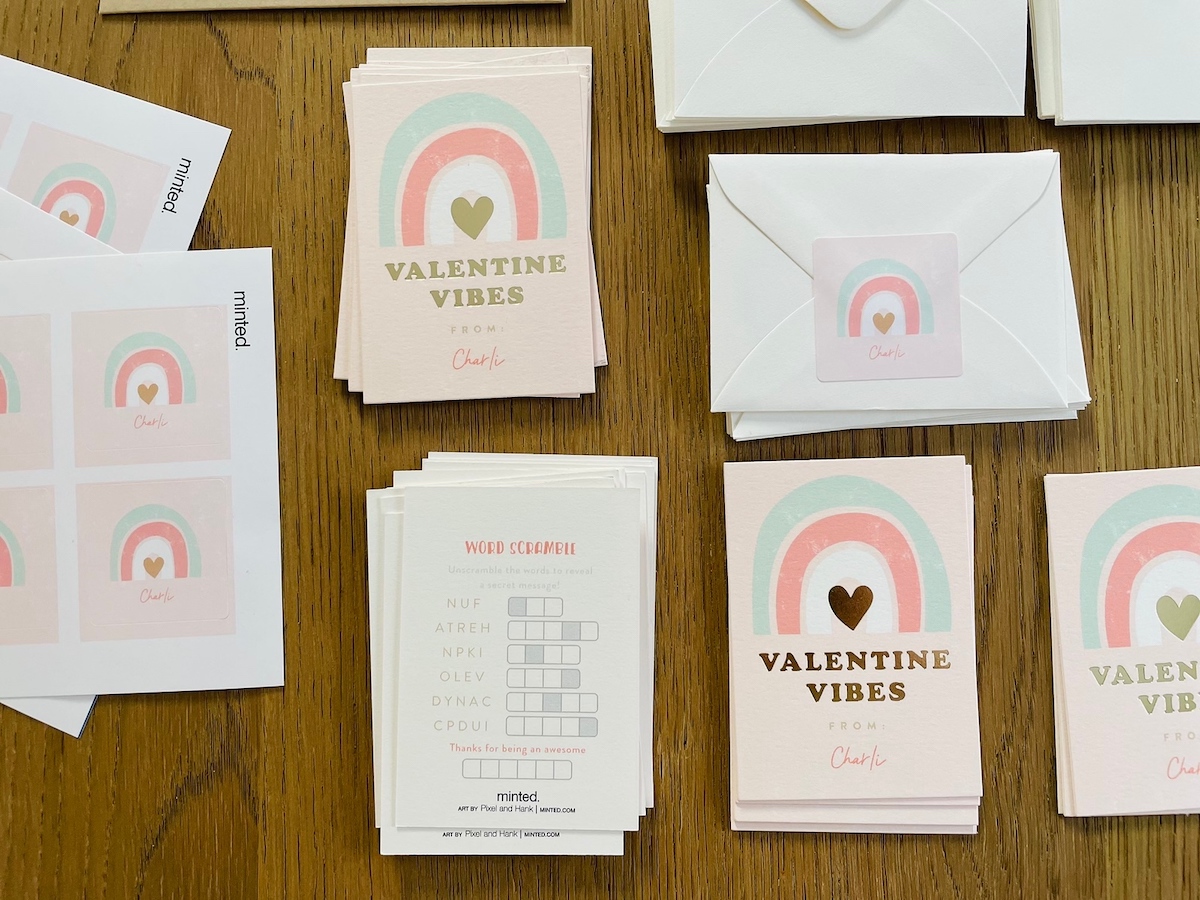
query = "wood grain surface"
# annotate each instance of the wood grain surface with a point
(268, 794)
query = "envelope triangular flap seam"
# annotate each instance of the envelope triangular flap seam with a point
(793, 200)
(849, 14)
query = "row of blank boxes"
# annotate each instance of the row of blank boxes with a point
(522, 769)
(535, 606)
(543, 678)
(553, 703)
(553, 631)
(549, 726)
(532, 655)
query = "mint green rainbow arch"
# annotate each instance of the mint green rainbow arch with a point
(470, 109)
(153, 512)
(1158, 502)
(840, 492)
(84, 172)
(11, 384)
(142, 341)
(874, 269)
(14, 550)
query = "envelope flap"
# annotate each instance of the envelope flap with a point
(849, 14)
(793, 200)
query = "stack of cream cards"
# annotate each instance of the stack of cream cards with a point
(755, 63)
(1125, 614)
(853, 699)
(91, 172)
(512, 654)
(868, 291)
(1114, 61)
(468, 269)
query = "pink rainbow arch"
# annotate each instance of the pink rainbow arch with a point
(165, 530)
(91, 192)
(845, 528)
(6, 564)
(487, 142)
(150, 356)
(886, 283)
(1138, 553)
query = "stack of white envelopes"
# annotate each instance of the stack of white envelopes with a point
(89, 172)
(853, 695)
(512, 654)
(1124, 579)
(1116, 61)
(755, 63)
(870, 291)
(468, 269)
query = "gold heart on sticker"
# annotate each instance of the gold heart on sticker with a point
(884, 321)
(850, 608)
(153, 566)
(472, 218)
(69, 217)
(147, 392)
(1178, 618)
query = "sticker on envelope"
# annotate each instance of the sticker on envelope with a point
(887, 308)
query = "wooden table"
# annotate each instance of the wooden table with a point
(268, 793)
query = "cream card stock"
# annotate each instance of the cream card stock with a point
(139, 504)
(126, 172)
(853, 696)
(487, 234)
(867, 291)
(540, 695)
(1124, 580)
(1116, 61)
(753, 63)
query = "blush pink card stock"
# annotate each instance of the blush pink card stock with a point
(853, 696)
(1124, 582)
(468, 269)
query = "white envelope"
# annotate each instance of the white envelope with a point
(823, 60)
(1006, 211)
(1117, 61)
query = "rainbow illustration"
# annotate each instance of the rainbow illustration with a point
(81, 196)
(847, 519)
(148, 369)
(1141, 549)
(10, 388)
(883, 296)
(12, 562)
(154, 542)
(469, 127)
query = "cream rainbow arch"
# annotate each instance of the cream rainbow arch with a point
(10, 388)
(509, 155)
(12, 561)
(819, 531)
(154, 542)
(148, 369)
(1144, 547)
(882, 288)
(82, 196)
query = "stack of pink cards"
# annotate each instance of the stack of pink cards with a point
(853, 697)
(1124, 580)
(512, 654)
(91, 172)
(468, 269)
